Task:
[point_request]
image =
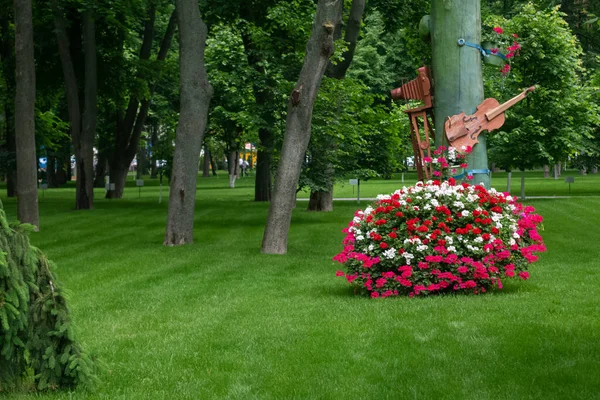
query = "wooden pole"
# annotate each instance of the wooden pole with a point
(457, 71)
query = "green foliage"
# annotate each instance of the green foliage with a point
(556, 119)
(36, 335)
(354, 133)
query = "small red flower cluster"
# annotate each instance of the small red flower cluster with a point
(512, 50)
(439, 237)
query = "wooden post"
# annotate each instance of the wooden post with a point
(457, 71)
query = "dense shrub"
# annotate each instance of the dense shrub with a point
(37, 345)
(439, 237)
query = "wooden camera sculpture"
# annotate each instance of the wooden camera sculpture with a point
(419, 89)
(461, 130)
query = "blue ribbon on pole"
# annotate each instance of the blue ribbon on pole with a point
(484, 52)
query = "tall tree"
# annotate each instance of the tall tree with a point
(195, 94)
(83, 125)
(131, 124)
(322, 200)
(7, 63)
(297, 132)
(27, 199)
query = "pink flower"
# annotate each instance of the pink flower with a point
(374, 295)
(339, 273)
(380, 282)
(505, 69)
(524, 275)
(494, 50)
(515, 35)
(498, 30)
(462, 270)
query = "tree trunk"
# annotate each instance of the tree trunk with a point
(154, 142)
(61, 170)
(320, 201)
(213, 165)
(27, 198)
(546, 171)
(84, 148)
(51, 171)
(11, 176)
(8, 67)
(101, 171)
(522, 185)
(195, 94)
(232, 166)
(130, 128)
(297, 132)
(457, 71)
(82, 134)
(206, 163)
(262, 183)
(323, 200)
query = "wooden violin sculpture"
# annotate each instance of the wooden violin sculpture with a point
(462, 130)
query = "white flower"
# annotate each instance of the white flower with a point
(452, 249)
(368, 210)
(422, 247)
(465, 213)
(383, 197)
(478, 239)
(449, 239)
(458, 204)
(389, 253)
(371, 247)
(435, 203)
(512, 241)
(359, 238)
(427, 207)
(516, 235)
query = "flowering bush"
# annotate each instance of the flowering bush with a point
(438, 237)
(507, 46)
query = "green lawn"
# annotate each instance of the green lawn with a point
(219, 320)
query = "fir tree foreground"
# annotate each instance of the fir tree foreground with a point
(36, 337)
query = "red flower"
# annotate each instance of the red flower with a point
(493, 51)
(383, 245)
(498, 30)
(515, 35)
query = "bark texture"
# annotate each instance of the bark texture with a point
(297, 131)
(27, 198)
(130, 127)
(457, 70)
(195, 94)
(323, 200)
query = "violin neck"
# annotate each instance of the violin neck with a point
(490, 115)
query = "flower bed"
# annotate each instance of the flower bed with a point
(439, 237)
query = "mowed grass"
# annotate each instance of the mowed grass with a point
(217, 319)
